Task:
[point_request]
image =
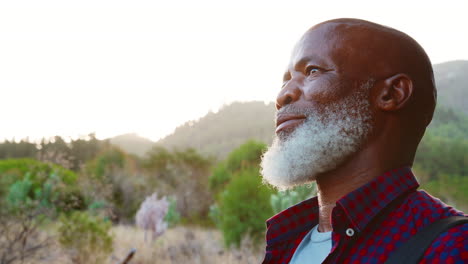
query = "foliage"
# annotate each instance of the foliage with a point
(243, 201)
(244, 206)
(18, 193)
(219, 178)
(172, 217)
(215, 215)
(245, 156)
(85, 237)
(285, 199)
(24, 180)
(441, 162)
(438, 155)
(151, 215)
(107, 160)
(452, 189)
(71, 155)
(113, 184)
(183, 174)
(14, 150)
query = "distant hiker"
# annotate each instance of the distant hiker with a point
(355, 102)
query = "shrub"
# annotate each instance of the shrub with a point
(21, 239)
(245, 156)
(219, 178)
(23, 181)
(183, 174)
(243, 207)
(286, 199)
(85, 237)
(172, 217)
(114, 185)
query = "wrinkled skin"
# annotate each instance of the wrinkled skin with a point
(328, 63)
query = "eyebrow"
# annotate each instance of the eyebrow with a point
(311, 58)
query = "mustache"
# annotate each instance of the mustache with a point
(294, 110)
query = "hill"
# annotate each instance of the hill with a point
(217, 134)
(132, 143)
(452, 84)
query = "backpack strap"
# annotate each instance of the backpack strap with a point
(413, 249)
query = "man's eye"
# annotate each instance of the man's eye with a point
(312, 70)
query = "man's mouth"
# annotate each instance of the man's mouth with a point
(287, 122)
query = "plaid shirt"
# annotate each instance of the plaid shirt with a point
(359, 236)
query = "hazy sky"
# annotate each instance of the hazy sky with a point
(112, 67)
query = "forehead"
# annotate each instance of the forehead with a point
(320, 45)
(338, 46)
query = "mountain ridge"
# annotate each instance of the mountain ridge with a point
(212, 135)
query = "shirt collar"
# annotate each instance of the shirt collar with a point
(364, 203)
(289, 223)
(360, 206)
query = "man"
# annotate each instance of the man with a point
(355, 102)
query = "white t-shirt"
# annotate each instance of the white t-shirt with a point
(314, 248)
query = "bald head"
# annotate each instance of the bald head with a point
(364, 50)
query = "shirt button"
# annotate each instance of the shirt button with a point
(350, 232)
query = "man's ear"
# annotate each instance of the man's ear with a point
(395, 92)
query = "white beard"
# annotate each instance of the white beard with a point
(322, 143)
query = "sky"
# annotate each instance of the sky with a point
(111, 67)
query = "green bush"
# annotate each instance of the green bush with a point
(173, 216)
(105, 162)
(85, 237)
(219, 178)
(24, 182)
(286, 199)
(452, 189)
(245, 156)
(113, 185)
(243, 207)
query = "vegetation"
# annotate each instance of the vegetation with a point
(285, 199)
(25, 182)
(20, 236)
(85, 237)
(442, 159)
(242, 200)
(244, 206)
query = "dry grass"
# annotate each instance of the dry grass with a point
(181, 245)
(176, 245)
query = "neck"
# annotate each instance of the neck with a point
(362, 168)
(332, 187)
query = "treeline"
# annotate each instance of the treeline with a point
(71, 155)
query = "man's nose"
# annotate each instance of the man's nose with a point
(289, 94)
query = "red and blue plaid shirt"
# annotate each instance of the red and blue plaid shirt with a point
(357, 238)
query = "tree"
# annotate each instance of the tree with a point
(244, 206)
(183, 174)
(243, 202)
